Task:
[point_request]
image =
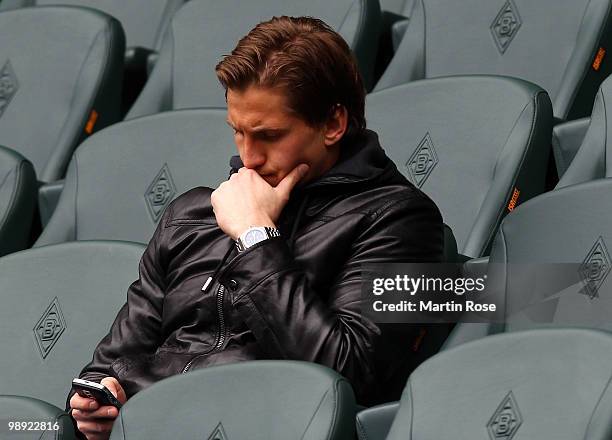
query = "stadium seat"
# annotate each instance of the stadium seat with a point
(60, 81)
(477, 145)
(118, 193)
(591, 161)
(544, 384)
(558, 44)
(144, 23)
(566, 231)
(29, 410)
(204, 30)
(17, 201)
(57, 303)
(257, 400)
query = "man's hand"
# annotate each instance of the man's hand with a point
(93, 420)
(246, 200)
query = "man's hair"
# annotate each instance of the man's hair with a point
(307, 60)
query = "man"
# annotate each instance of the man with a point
(267, 266)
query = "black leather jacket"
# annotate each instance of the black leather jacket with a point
(292, 297)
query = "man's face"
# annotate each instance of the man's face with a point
(272, 140)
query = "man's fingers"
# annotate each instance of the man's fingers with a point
(104, 412)
(288, 183)
(84, 403)
(95, 426)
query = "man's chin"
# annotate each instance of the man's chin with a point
(271, 180)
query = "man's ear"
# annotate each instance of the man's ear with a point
(336, 125)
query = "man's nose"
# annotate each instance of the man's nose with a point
(252, 157)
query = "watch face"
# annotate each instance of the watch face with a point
(254, 236)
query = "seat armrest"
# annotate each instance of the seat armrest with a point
(151, 61)
(476, 267)
(137, 59)
(398, 29)
(374, 423)
(48, 197)
(566, 140)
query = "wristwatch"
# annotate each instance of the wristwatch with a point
(254, 235)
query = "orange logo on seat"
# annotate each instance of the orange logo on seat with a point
(513, 200)
(93, 117)
(599, 58)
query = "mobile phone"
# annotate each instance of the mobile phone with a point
(94, 390)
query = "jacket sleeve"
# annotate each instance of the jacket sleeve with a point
(292, 321)
(137, 327)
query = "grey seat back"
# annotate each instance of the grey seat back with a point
(569, 227)
(17, 201)
(205, 30)
(144, 22)
(592, 161)
(259, 400)
(550, 262)
(57, 303)
(120, 180)
(477, 145)
(535, 384)
(553, 43)
(60, 80)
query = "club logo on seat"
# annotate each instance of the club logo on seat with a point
(160, 193)
(595, 269)
(422, 162)
(506, 25)
(49, 328)
(218, 433)
(506, 419)
(8, 86)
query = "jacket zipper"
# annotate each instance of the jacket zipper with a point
(220, 336)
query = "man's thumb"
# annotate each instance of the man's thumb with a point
(293, 178)
(114, 387)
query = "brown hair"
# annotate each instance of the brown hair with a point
(308, 60)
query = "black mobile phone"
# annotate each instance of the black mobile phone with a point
(94, 390)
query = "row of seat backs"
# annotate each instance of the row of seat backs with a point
(184, 76)
(57, 304)
(515, 381)
(489, 133)
(144, 25)
(178, 80)
(558, 45)
(75, 89)
(529, 384)
(551, 46)
(502, 386)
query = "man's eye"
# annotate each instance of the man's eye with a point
(269, 136)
